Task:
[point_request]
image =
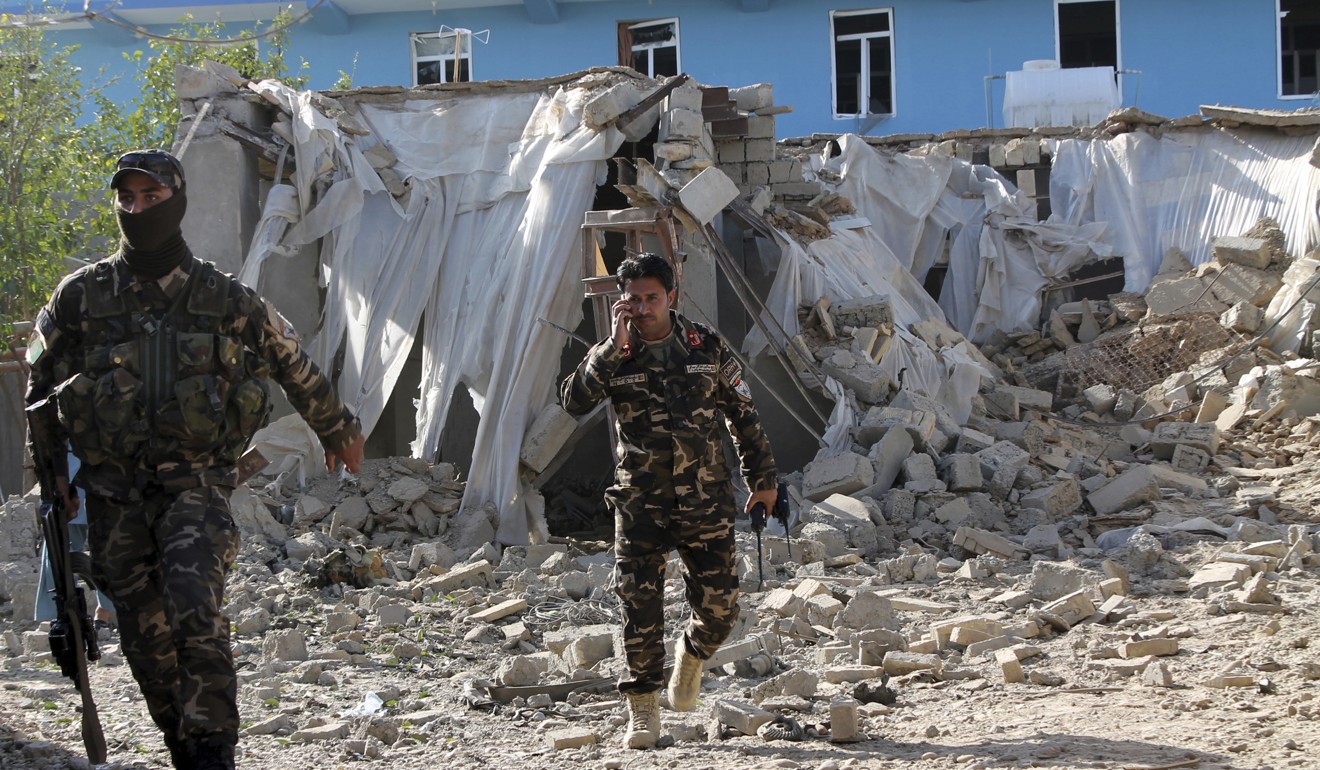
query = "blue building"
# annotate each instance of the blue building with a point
(882, 68)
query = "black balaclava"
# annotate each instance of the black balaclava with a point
(152, 240)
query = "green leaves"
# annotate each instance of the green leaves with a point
(60, 134)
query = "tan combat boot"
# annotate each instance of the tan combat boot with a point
(643, 720)
(685, 682)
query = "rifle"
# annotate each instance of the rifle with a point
(72, 639)
(758, 525)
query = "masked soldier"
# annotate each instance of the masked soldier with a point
(151, 364)
(669, 378)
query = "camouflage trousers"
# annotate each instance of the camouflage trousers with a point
(162, 559)
(701, 528)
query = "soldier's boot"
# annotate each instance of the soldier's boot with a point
(643, 720)
(181, 752)
(213, 754)
(685, 681)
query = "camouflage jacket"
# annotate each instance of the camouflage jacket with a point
(164, 380)
(669, 436)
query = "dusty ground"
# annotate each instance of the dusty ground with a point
(1076, 713)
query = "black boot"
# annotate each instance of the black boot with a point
(182, 752)
(214, 754)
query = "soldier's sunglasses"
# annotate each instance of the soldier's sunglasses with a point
(158, 164)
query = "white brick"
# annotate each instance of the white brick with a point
(1127, 490)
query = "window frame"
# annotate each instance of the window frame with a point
(1278, 60)
(865, 71)
(1118, 31)
(676, 43)
(462, 48)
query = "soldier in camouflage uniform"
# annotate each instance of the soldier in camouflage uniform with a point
(152, 364)
(669, 379)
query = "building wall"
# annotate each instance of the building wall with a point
(1189, 52)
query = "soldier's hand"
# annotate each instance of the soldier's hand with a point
(623, 313)
(351, 455)
(69, 496)
(765, 497)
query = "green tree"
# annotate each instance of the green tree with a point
(153, 117)
(50, 172)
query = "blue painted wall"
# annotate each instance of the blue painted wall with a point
(1190, 52)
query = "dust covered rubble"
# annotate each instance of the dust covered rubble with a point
(1038, 546)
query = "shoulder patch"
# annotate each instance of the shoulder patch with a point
(627, 380)
(743, 390)
(281, 324)
(732, 370)
(694, 338)
(701, 368)
(42, 331)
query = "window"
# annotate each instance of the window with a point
(650, 47)
(441, 57)
(1088, 33)
(1299, 47)
(863, 61)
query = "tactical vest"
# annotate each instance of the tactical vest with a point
(162, 388)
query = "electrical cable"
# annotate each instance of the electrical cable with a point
(102, 16)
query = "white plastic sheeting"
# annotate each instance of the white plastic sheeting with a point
(855, 264)
(1184, 188)
(1000, 257)
(485, 242)
(1075, 96)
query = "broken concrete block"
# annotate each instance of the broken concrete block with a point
(1009, 666)
(1252, 252)
(754, 97)
(962, 473)
(479, 574)
(1201, 435)
(707, 194)
(821, 609)
(572, 738)
(546, 436)
(608, 105)
(1234, 284)
(866, 610)
(1030, 398)
(1059, 500)
(974, 625)
(743, 717)
(879, 420)
(1101, 398)
(1073, 608)
(1001, 405)
(1127, 490)
(839, 474)
(1218, 574)
(843, 721)
(782, 601)
(1002, 454)
(1157, 675)
(972, 441)
(1186, 458)
(1180, 297)
(680, 123)
(1043, 539)
(954, 513)
(1224, 681)
(919, 467)
(852, 674)
(1156, 647)
(588, 649)
(873, 311)
(887, 457)
(868, 382)
(979, 541)
(899, 663)
(499, 611)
